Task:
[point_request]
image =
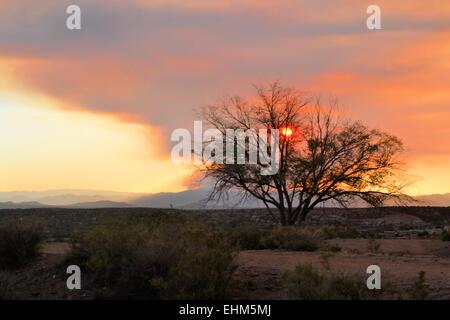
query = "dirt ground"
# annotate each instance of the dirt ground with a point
(45, 278)
(260, 272)
(400, 262)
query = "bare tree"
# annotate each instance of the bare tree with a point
(322, 157)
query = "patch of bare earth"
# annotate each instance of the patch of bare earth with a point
(260, 271)
(45, 278)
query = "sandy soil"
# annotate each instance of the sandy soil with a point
(55, 248)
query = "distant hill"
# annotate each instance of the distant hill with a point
(190, 199)
(81, 205)
(437, 200)
(66, 197)
(196, 199)
(21, 205)
(99, 204)
(175, 199)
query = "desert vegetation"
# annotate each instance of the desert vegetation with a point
(19, 243)
(160, 257)
(170, 254)
(306, 283)
(284, 238)
(5, 287)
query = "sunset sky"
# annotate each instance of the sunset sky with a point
(94, 108)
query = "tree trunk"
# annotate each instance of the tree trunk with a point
(283, 217)
(303, 215)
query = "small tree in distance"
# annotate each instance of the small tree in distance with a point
(322, 157)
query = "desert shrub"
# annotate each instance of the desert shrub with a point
(166, 259)
(306, 283)
(419, 290)
(204, 268)
(348, 234)
(269, 242)
(345, 287)
(334, 248)
(19, 244)
(294, 238)
(445, 236)
(329, 233)
(325, 259)
(423, 234)
(250, 238)
(109, 248)
(301, 245)
(6, 292)
(354, 251)
(373, 245)
(342, 233)
(372, 234)
(286, 238)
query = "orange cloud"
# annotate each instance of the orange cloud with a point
(151, 62)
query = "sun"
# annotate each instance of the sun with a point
(286, 132)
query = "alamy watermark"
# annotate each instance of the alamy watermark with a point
(374, 280)
(373, 22)
(74, 280)
(228, 146)
(73, 21)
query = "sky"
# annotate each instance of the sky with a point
(94, 108)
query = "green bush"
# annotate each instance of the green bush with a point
(305, 283)
(294, 238)
(423, 234)
(19, 244)
(250, 238)
(334, 248)
(204, 268)
(445, 236)
(167, 259)
(373, 245)
(109, 247)
(286, 238)
(342, 233)
(345, 287)
(329, 232)
(348, 234)
(419, 290)
(269, 242)
(301, 245)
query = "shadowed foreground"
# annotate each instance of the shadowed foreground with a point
(402, 241)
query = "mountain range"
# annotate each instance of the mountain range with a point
(189, 199)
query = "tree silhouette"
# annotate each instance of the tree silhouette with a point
(322, 156)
